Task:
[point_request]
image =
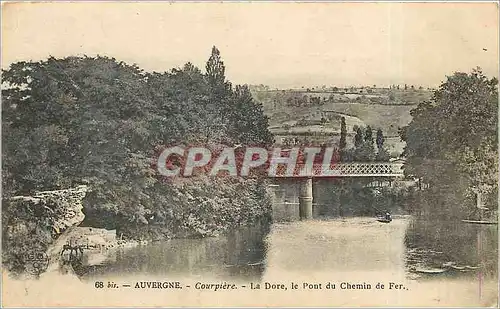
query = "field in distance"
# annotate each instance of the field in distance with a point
(299, 109)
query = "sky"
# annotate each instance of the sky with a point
(276, 44)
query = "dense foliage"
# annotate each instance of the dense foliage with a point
(452, 144)
(103, 122)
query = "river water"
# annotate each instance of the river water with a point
(428, 263)
(331, 261)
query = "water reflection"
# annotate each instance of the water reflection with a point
(451, 248)
(238, 255)
(433, 259)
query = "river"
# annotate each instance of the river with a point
(443, 263)
(419, 263)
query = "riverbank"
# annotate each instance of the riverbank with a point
(53, 222)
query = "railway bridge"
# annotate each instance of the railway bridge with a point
(305, 174)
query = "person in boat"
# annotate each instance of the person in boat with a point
(388, 216)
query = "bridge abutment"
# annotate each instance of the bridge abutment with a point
(306, 199)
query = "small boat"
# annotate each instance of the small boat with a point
(383, 219)
(430, 271)
(480, 222)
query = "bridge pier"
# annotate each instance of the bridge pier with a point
(306, 199)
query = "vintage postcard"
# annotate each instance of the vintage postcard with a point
(249, 154)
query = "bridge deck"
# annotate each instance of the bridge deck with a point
(351, 169)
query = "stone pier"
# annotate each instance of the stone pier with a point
(306, 199)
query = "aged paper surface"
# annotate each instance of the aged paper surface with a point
(249, 154)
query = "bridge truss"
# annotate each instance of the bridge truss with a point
(347, 169)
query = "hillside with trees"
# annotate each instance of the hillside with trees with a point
(387, 108)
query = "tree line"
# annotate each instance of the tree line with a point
(102, 122)
(364, 149)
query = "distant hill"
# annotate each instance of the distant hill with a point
(387, 117)
(315, 115)
(383, 108)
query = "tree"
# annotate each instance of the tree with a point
(358, 138)
(368, 135)
(220, 99)
(250, 124)
(380, 139)
(452, 140)
(364, 153)
(382, 153)
(363, 150)
(343, 134)
(216, 72)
